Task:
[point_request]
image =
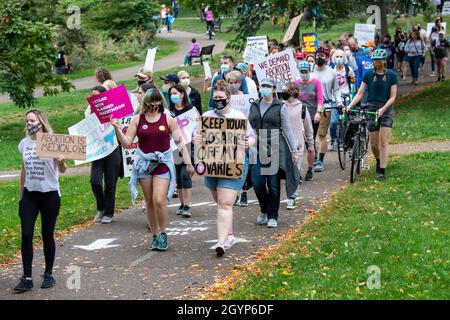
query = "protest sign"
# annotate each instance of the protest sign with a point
(114, 103)
(310, 42)
(431, 25)
(101, 139)
(293, 32)
(258, 43)
(207, 68)
(446, 9)
(364, 32)
(150, 59)
(242, 102)
(253, 55)
(221, 155)
(51, 145)
(281, 67)
(186, 123)
(128, 153)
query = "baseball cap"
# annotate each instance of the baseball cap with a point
(268, 82)
(172, 77)
(144, 73)
(369, 43)
(242, 66)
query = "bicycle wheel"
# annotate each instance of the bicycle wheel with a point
(362, 150)
(341, 146)
(356, 162)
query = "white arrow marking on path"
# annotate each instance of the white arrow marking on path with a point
(99, 244)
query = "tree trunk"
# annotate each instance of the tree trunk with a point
(384, 24)
(200, 14)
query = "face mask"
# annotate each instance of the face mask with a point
(265, 92)
(304, 76)
(141, 82)
(386, 42)
(320, 62)
(153, 108)
(339, 61)
(175, 99)
(311, 66)
(219, 104)
(225, 68)
(379, 66)
(285, 95)
(366, 51)
(234, 88)
(32, 129)
(185, 83)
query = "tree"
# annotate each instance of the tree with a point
(26, 57)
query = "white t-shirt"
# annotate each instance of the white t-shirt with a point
(41, 173)
(342, 80)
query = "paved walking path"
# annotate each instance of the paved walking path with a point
(175, 59)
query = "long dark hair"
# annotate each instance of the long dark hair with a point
(184, 101)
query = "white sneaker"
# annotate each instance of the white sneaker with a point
(231, 240)
(272, 223)
(432, 74)
(261, 218)
(290, 204)
(107, 219)
(98, 218)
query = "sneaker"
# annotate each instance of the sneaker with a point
(107, 219)
(180, 210)
(154, 244)
(231, 240)
(377, 168)
(220, 249)
(48, 281)
(261, 218)
(331, 145)
(432, 74)
(439, 78)
(25, 284)
(236, 202)
(162, 242)
(290, 205)
(187, 212)
(99, 217)
(381, 177)
(309, 175)
(175, 194)
(243, 202)
(416, 83)
(272, 223)
(319, 166)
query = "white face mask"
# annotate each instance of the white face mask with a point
(304, 76)
(185, 83)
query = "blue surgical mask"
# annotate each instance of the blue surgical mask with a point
(366, 51)
(265, 92)
(339, 61)
(225, 68)
(175, 99)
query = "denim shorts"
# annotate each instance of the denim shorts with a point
(147, 175)
(227, 183)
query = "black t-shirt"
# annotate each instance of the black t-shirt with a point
(60, 60)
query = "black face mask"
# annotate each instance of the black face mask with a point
(220, 104)
(141, 82)
(285, 95)
(320, 62)
(386, 42)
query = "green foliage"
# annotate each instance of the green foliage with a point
(26, 57)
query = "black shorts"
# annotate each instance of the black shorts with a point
(386, 120)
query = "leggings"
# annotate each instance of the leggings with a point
(48, 203)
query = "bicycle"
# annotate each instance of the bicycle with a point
(340, 133)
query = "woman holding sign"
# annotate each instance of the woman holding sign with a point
(153, 166)
(225, 190)
(39, 192)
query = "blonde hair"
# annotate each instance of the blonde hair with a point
(221, 85)
(234, 75)
(43, 119)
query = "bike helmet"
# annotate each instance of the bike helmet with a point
(379, 54)
(304, 65)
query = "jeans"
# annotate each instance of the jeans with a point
(108, 167)
(414, 65)
(433, 62)
(187, 60)
(333, 122)
(267, 189)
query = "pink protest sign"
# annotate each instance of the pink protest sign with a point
(114, 103)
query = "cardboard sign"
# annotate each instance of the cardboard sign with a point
(252, 55)
(101, 139)
(364, 32)
(50, 145)
(242, 102)
(128, 153)
(258, 43)
(114, 103)
(150, 59)
(186, 123)
(293, 30)
(310, 42)
(281, 67)
(207, 69)
(431, 25)
(221, 155)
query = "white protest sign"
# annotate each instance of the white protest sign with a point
(431, 25)
(259, 43)
(150, 59)
(207, 69)
(101, 138)
(242, 102)
(446, 9)
(253, 55)
(128, 153)
(186, 123)
(281, 67)
(364, 32)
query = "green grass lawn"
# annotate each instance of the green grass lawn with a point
(401, 226)
(166, 47)
(77, 207)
